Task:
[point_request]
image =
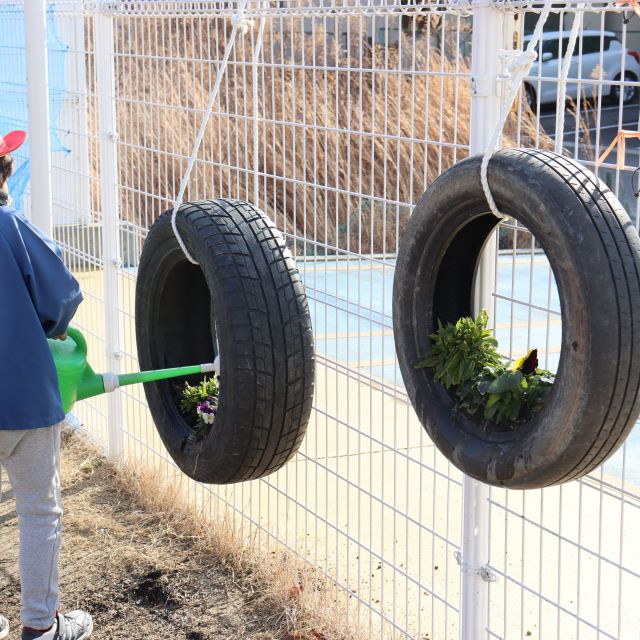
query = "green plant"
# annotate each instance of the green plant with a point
(461, 351)
(465, 360)
(514, 395)
(200, 402)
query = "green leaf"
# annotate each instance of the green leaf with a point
(506, 382)
(483, 386)
(461, 351)
(192, 395)
(490, 411)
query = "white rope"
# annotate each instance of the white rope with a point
(562, 87)
(240, 23)
(518, 65)
(256, 112)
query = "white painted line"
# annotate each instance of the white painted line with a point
(570, 146)
(594, 129)
(568, 113)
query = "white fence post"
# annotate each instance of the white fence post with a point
(107, 136)
(73, 123)
(35, 24)
(492, 31)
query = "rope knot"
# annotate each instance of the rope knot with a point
(518, 62)
(241, 22)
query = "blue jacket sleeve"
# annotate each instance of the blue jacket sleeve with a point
(55, 293)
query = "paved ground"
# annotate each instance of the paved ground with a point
(595, 131)
(603, 129)
(370, 501)
(351, 311)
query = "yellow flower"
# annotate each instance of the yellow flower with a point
(527, 364)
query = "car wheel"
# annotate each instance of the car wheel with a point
(625, 93)
(530, 96)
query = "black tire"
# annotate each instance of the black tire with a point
(626, 94)
(245, 297)
(594, 253)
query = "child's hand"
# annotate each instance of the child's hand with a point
(63, 336)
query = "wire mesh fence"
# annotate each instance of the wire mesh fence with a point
(333, 118)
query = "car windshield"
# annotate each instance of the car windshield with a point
(551, 46)
(589, 44)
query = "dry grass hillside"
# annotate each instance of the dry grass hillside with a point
(335, 122)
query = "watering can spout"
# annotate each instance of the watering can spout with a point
(78, 381)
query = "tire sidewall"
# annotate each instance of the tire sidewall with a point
(217, 456)
(554, 439)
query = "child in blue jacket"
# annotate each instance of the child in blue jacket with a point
(38, 298)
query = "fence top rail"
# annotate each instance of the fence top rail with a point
(333, 8)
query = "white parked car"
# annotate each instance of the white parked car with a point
(599, 48)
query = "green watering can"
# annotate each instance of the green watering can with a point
(78, 381)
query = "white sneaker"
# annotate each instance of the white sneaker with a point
(76, 625)
(4, 627)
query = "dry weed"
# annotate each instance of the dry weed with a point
(299, 601)
(147, 565)
(336, 121)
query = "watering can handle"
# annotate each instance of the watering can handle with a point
(78, 338)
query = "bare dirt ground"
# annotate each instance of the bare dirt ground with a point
(139, 572)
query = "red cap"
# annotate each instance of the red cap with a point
(11, 141)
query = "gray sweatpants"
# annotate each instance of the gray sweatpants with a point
(32, 460)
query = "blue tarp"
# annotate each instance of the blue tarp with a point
(13, 88)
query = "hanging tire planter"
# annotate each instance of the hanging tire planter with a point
(246, 300)
(594, 253)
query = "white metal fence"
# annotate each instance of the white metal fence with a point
(334, 118)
